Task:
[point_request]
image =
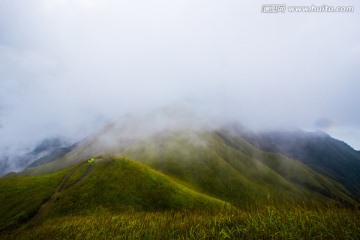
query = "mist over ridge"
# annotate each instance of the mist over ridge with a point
(69, 68)
(190, 119)
(193, 120)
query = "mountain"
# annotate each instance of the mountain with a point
(54, 155)
(317, 150)
(212, 166)
(113, 184)
(217, 163)
(18, 162)
(165, 162)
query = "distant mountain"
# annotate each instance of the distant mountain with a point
(40, 151)
(54, 155)
(317, 150)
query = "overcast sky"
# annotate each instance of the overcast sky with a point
(67, 66)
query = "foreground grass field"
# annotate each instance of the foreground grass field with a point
(264, 223)
(117, 198)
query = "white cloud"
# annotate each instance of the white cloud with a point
(66, 63)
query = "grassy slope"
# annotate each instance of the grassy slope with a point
(323, 154)
(21, 197)
(186, 158)
(237, 173)
(290, 169)
(114, 185)
(218, 164)
(268, 222)
(117, 184)
(124, 199)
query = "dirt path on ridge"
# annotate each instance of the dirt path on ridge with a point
(44, 209)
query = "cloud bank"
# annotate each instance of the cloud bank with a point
(69, 66)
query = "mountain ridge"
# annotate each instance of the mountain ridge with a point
(177, 152)
(321, 152)
(179, 169)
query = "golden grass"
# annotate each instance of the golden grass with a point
(290, 222)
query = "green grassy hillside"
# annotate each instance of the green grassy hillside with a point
(268, 222)
(109, 185)
(219, 164)
(317, 150)
(21, 197)
(237, 173)
(292, 170)
(117, 185)
(118, 198)
(186, 182)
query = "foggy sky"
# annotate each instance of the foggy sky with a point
(69, 66)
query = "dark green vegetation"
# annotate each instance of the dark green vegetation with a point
(21, 197)
(317, 150)
(179, 184)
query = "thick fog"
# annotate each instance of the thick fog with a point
(67, 67)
